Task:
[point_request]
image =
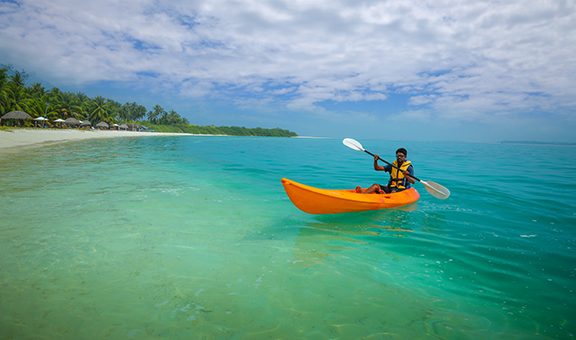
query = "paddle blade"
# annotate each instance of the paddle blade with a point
(436, 190)
(353, 144)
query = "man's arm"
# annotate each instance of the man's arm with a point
(409, 173)
(378, 167)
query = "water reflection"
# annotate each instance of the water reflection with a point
(335, 235)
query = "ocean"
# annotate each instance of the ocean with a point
(194, 237)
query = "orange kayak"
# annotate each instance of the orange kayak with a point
(322, 201)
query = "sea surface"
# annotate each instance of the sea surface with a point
(194, 237)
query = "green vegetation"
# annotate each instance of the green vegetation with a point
(38, 101)
(220, 130)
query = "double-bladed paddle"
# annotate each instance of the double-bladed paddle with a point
(433, 188)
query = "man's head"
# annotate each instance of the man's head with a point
(402, 153)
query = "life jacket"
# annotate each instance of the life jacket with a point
(397, 178)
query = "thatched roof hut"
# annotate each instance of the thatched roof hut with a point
(123, 127)
(16, 115)
(102, 125)
(72, 121)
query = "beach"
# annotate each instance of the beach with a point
(34, 137)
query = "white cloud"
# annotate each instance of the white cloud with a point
(464, 60)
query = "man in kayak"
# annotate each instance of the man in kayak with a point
(401, 172)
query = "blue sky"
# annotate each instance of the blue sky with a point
(480, 71)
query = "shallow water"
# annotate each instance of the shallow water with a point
(189, 237)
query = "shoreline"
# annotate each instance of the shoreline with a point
(19, 138)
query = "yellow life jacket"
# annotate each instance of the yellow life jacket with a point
(397, 178)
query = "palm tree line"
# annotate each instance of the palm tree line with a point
(53, 103)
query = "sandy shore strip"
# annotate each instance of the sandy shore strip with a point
(34, 137)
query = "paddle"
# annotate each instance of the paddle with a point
(433, 188)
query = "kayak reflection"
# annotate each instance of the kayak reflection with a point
(338, 235)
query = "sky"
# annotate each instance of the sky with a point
(423, 70)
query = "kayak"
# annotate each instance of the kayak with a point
(325, 201)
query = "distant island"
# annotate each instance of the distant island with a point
(535, 142)
(55, 104)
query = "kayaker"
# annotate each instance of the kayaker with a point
(399, 179)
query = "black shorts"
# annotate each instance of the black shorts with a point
(387, 189)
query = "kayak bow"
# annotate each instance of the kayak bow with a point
(324, 201)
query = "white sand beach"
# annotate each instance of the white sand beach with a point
(35, 137)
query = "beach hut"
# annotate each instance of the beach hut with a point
(20, 116)
(103, 126)
(85, 124)
(115, 126)
(72, 122)
(133, 127)
(123, 127)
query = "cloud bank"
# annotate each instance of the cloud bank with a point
(450, 59)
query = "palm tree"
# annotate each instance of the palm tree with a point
(172, 118)
(156, 113)
(80, 107)
(36, 90)
(14, 92)
(99, 110)
(3, 93)
(38, 106)
(114, 109)
(132, 111)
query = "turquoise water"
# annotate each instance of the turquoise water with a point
(194, 237)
